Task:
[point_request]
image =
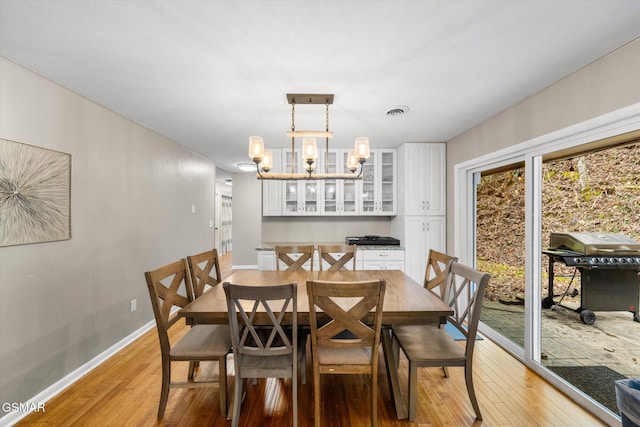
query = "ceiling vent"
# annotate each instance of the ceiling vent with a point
(398, 111)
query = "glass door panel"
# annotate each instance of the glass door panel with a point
(369, 185)
(500, 217)
(386, 175)
(291, 197)
(310, 197)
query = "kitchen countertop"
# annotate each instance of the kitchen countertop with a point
(270, 246)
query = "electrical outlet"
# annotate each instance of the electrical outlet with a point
(133, 305)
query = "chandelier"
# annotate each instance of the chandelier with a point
(264, 158)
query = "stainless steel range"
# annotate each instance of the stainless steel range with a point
(609, 266)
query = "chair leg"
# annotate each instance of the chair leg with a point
(413, 390)
(468, 377)
(237, 401)
(396, 350)
(164, 391)
(294, 395)
(192, 369)
(446, 371)
(222, 384)
(316, 396)
(374, 400)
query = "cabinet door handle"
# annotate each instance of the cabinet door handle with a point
(427, 226)
(423, 227)
(423, 206)
(428, 207)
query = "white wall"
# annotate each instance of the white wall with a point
(611, 83)
(63, 303)
(247, 216)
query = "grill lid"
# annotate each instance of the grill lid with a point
(595, 243)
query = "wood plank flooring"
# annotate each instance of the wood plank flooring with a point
(125, 390)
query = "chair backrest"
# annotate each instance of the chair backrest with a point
(438, 265)
(272, 302)
(205, 271)
(283, 253)
(465, 291)
(344, 254)
(169, 287)
(347, 306)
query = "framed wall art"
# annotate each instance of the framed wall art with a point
(35, 194)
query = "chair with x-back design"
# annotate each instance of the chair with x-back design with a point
(339, 257)
(170, 287)
(336, 307)
(294, 257)
(205, 271)
(262, 347)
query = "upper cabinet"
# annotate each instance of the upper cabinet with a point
(379, 185)
(422, 179)
(300, 197)
(375, 194)
(339, 196)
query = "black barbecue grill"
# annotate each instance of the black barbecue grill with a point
(609, 266)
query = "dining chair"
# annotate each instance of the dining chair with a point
(170, 287)
(337, 256)
(303, 253)
(205, 271)
(428, 346)
(335, 307)
(262, 348)
(438, 265)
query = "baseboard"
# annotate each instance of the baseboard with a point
(53, 390)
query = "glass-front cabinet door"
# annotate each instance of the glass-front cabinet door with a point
(291, 199)
(300, 197)
(387, 159)
(348, 193)
(310, 202)
(338, 195)
(368, 191)
(379, 185)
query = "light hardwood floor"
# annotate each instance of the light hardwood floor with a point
(125, 390)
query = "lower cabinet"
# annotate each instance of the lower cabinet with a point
(418, 234)
(366, 259)
(371, 259)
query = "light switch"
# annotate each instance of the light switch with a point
(193, 208)
(210, 223)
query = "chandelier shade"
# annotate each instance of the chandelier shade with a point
(264, 158)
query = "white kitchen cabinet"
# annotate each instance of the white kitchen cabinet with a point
(301, 197)
(379, 185)
(372, 259)
(421, 179)
(266, 260)
(272, 190)
(418, 234)
(339, 196)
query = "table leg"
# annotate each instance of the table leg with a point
(392, 373)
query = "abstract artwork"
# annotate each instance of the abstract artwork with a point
(35, 194)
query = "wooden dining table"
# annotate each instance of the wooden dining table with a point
(405, 302)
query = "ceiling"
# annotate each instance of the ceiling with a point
(209, 74)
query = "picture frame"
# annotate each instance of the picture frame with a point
(35, 194)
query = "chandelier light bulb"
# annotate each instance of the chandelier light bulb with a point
(362, 148)
(309, 149)
(256, 148)
(267, 161)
